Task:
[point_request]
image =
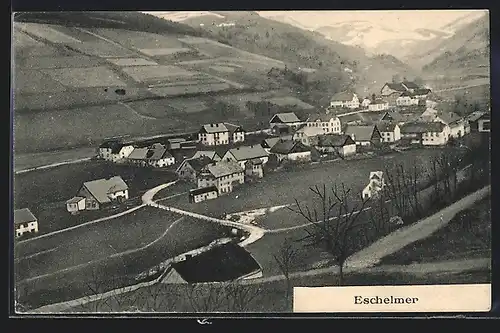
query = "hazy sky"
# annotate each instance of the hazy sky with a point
(399, 19)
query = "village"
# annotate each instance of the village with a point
(223, 156)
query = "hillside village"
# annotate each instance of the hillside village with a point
(222, 156)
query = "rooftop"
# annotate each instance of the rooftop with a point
(248, 152)
(422, 127)
(221, 169)
(360, 132)
(214, 128)
(100, 188)
(343, 97)
(203, 190)
(334, 140)
(386, 126)
(288, 147)
(23, 216)
(138, 154)
(287, 117)
(75, 200)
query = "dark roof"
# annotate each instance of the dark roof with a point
(386, 126)
(449, 117)
(407, 94)
(422, 91)
(289, 147)
(270, 142)
(198, 163)
(222, 263)
(422, 127)
(379, 101)
(255, 161)
(410, 85)
(334, 140)
(23, 216)
(360, 132)
(476, 115)
(203, 190)
(395, 86)
(114, 145)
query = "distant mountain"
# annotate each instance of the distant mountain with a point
(283, 38)
(465, 53)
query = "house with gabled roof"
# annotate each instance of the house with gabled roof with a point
(223, 175)
(389, 131)
(158, 156)
(291, 150)
(24, 221)
(345, 100)
(285, 120)
(236, 133)
(426, 133)
(340, 144)
(114, 150)
(456, 123)
(479, 121)
(214, 134)
(269, 143)
(100, 192)
(243, 154)
(406, 99)
(410, 86)
(363, 135)
(254, 168)
(138, 156)
(306, 134)
(189, 168)
(392, 88)
(202, 194)
(211, 154)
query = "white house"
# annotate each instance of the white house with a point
(345, 100)
(328, 123)
(364, 135)
(189, 168)
(456, 124)
(306, 134)
(407, 99)
(103, 191)
(236, 133)
(245, 153)
(378, 105)
(389, 131)
(202, 194)
(479, 121)
(114, 150)
(158, 156)
(214, 134)
(24, 221)
(292, 151)
(375, 185)
(287, 119)
(223, 175)
(366, 102)
(75, 205)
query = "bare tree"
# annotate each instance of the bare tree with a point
(96, 285)
(402, 188)
(206, 297)
(285, 258)
(239, 296)
(379, 216)
(333, 223)
(160, 297)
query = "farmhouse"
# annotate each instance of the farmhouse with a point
(236, 133)
(24, 221)
(254, 168)
(245, 153)
(340, 144)
(269, 143)
(389, 131)
(281, 129)
(223, 175)
(306, 134)
(399, 118)
(378, 105)
(328, 123)
(288, 119)
(138, 156)
(103, 191)
(454, 121)
(157, 156)
(202, 194)
(189, 168)
(292, 151)
(75, 205)
(214, 134)
(364, 135)
(421, 93)
(114, 150)
(426, 133)
(479, 121)
(345, 100)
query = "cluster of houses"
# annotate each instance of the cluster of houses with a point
(404, 93)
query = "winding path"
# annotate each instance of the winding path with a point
(255, 232)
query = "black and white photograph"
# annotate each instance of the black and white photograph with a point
(219, 161)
